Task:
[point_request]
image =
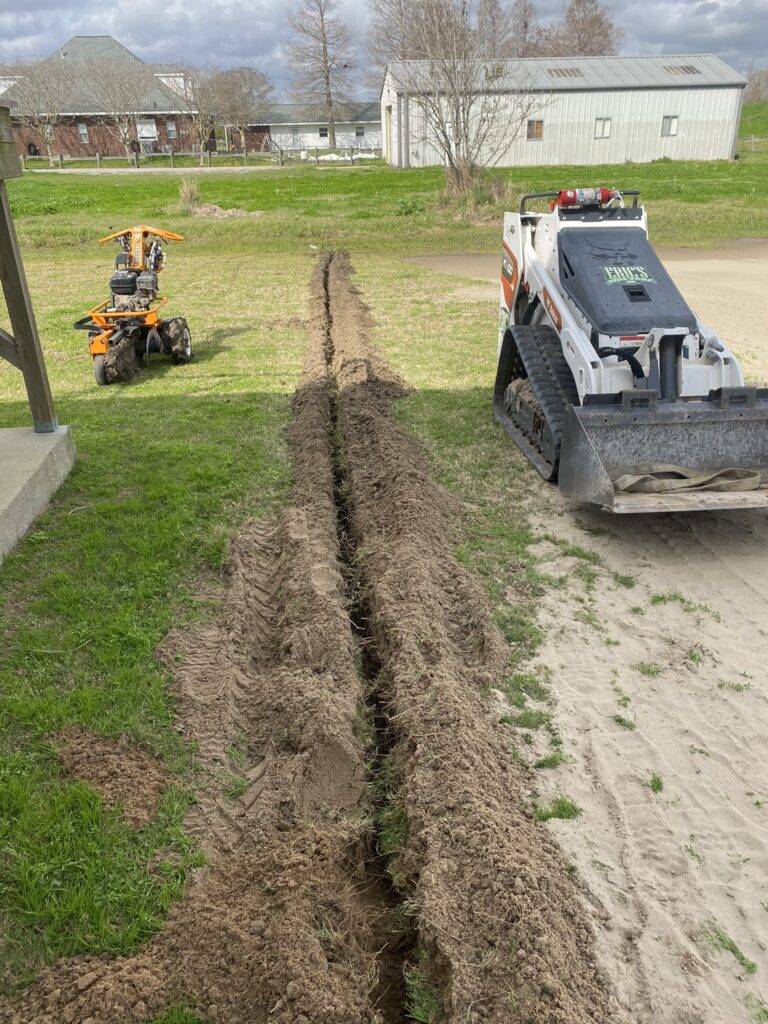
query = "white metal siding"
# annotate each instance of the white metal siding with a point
(309, 136)
(706, 120)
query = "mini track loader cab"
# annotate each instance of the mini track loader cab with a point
(606, 380)
(129, 325)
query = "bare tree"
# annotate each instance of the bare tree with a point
(389, 36)
(322, 57)
(527, 37)
(244, 95)
(757, 84)
(203, 95)
(40, 97)
(121, 94)
(466, 99)
(588, 29)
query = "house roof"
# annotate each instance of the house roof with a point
(313, 113)
(82, 51)
(576, 74)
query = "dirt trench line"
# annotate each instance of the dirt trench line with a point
(501, 928)
(382, 863)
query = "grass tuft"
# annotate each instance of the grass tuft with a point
(422, 1004)
(720, 940)
(656, 783)
(562, 807)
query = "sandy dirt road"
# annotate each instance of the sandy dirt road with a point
(727, 287)
(657, 653)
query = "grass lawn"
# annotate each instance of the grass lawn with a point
(754, 120)
(171, 464)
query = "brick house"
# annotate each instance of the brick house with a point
(162, 122)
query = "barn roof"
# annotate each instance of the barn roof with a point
(576, 74)
(314, 113)
(82, 97)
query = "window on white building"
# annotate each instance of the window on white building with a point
(170, 130)
(360, 131)
(82, 131)
(535, 131)
(669, 126)
(602, 127)
(294, 136)
(323, 133)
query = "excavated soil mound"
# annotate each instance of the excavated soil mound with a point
(122, 773)
(503, 921)
(211, 211)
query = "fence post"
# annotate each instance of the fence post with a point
(172, 163)
(282, 156)
(61, 161)
(317, 155)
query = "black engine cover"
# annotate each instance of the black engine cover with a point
(123, 282)
(618, 282)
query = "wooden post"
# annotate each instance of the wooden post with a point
(22, 348)
(171, 154)
(61, 161)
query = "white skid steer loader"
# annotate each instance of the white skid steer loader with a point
(606, 380)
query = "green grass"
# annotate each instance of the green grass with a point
(561, 807)
(649, 669)
(168, 467)
(754, 120)
(625, 723)
(422, 1004)
(758, 1011)
(177, 1016)
(719, 940)
(377, 209)
(656, 783)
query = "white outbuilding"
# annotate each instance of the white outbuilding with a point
(592, 110)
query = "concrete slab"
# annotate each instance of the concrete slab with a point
(32, 467)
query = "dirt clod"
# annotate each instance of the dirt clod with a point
(121, 772)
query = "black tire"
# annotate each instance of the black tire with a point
(177, 340)
(99, 371)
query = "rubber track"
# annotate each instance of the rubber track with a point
(538, 355)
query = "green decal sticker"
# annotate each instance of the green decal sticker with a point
(628, 275)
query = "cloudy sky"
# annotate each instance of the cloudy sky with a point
(229, 32)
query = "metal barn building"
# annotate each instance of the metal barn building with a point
(594, 110)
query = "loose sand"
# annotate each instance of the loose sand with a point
(671, 637)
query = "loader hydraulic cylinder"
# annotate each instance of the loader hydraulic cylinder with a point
(670, 354)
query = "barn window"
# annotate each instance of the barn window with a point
(323, 132)
(669, 127)
(566, 72)
(82, 131)
(602, 127)
(535, 131)
(170, 130)
(294, 136)
(360, 131)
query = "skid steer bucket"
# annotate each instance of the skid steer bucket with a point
(618, 454)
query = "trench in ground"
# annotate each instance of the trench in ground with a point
(396, 933)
